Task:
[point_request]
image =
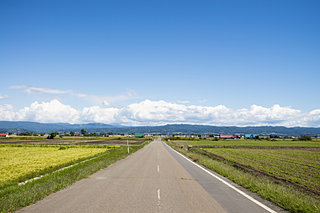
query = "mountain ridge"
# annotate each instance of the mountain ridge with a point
(36, 127)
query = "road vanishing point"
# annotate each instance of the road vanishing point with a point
(153, 179)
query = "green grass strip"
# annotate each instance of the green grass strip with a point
(284, 196)
(15, 197)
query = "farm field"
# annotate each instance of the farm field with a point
(23, 160)
(257, 143)
(301, 167)
(72, 140)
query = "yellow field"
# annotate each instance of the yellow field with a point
(20, 161)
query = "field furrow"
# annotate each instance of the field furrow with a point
(297, 166)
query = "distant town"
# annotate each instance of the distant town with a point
(84, 133)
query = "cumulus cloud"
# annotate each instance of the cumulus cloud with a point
(6, 112)
(149, 112)
(312, 118)
(164, 112)
(53, 111)
(99, 114)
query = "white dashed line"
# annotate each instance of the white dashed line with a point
(158, 168)
(158, 191)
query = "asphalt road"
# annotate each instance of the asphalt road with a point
(154, 179)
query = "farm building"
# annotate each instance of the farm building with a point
(139, 135)
(4, 135)
(227, 137)
(250, 136)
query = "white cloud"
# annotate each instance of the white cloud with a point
(106, 103)
(96, 99)
(258, 115)
(108, 100)
(3, 96)
(30, 90)
(164, 112)
(50, 112)
(7, 113)
(99, 114)
(312, 118)
(161, 112)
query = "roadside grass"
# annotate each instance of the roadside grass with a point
(15, 197)
(287, 197)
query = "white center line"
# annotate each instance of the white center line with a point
(158, 191)
(158, 168)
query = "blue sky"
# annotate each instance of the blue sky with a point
(118, 54)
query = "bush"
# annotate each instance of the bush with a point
(52, 135)
(305, 138)
(62, 148)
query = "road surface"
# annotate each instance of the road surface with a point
(154, 179)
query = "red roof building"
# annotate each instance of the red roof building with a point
(4, 135)
(227, 137)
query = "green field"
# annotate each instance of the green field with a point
(72, 140)
(275, 143)
(16, 162)
(301, 167)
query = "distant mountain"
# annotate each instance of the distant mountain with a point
(203, 129)
(25, 126)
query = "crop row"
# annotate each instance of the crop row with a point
(258, 143)
(297, 166)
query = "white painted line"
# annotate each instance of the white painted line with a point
(41, 176)
(226, 183)
(158, 192)
(158, 168)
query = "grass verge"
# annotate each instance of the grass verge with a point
(284, 196)
(15, 197)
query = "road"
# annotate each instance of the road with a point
(154, 179)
